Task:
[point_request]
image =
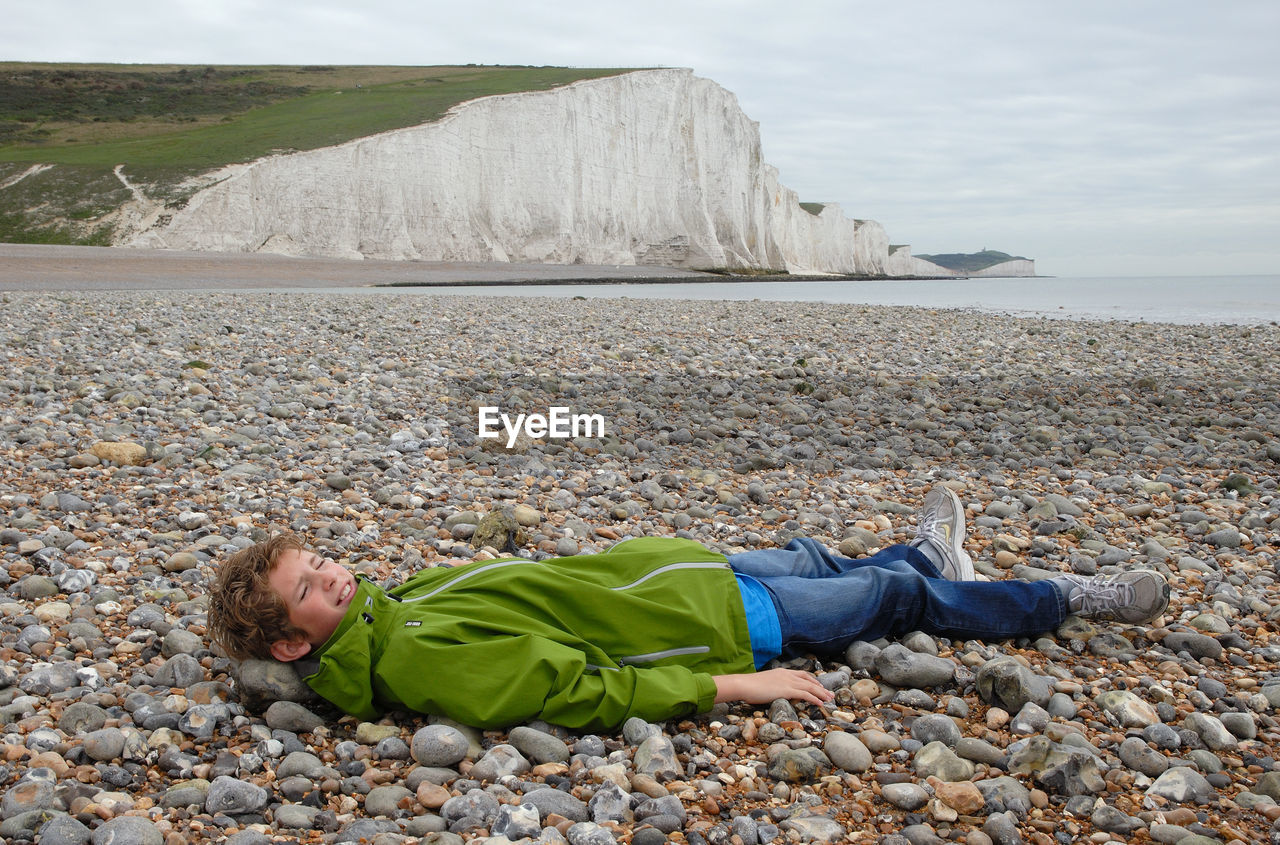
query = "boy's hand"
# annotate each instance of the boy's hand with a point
(764, 687)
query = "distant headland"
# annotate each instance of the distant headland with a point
(988, 263)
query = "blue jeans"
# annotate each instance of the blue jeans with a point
(825, 602)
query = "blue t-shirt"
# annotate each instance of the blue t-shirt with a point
(762, 620)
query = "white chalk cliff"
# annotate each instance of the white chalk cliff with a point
(650, 167)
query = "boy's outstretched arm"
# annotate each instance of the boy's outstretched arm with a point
(764, 687)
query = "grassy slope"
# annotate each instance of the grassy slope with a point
(165, 123)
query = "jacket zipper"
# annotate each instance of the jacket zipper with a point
(668, 568)
(658, 655)
(633, 659)
(482, 569)
(465, 576)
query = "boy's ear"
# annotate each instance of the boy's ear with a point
(287, 650)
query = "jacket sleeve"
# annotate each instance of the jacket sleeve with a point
(508, 681)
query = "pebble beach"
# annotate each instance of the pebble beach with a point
(145, 435)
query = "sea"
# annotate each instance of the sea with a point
(1244, 300)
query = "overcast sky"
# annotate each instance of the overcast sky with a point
(1099, 138)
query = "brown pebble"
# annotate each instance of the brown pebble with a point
(432, 795)
(1180, 816)
(647, 785)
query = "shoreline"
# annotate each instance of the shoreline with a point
(37, 267)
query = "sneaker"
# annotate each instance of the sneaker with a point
(940, 534)
(1137, 596)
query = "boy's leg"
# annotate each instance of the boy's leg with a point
(806, 558)
(869, 602)
(939, 542)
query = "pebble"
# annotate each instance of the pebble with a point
(735, 436)
(846, 751)
(539, 746)
(937, 760)
(64, 830)
(439, 745)
(1009, 685)
(815, 829)
(936, 727)
(905, 796)
(656, 757)
(1181, 785)
(131, 829)
(498, 762)
(385, 800)
(233, 796)
(900, 666)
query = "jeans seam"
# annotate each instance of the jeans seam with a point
(915, 608)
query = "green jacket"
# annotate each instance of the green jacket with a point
(584, 642)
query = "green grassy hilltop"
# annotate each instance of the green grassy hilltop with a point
(165, 123)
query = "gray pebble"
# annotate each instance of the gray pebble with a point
(846, 751)
(292, 716)
(385, 800)
(538, 746)
(499, 762)
(905, 668)
(231, 796)
(517, 821)
(1008, 684)
(439, 745)
(104, 744)
(63, 830)
(935, 727)
(1183, 785)
(1030, 719)
(1005, 795)
(302, 763)
(905, 796)
(814, 829)
(656, 757)
(1196, 644)
(940, 761)
(134, 830)
(589, 833)
(549, 800)
(1137, 755)
(35, 790)
(181, 670)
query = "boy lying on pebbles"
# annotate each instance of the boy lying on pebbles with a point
(656, 627)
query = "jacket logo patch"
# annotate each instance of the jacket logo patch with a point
(413, 623)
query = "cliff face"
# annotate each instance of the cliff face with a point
(1017, 267)
(651, 167)
(902, 263)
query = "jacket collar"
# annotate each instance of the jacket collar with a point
(360, 610)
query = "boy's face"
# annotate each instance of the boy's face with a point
(316, 591)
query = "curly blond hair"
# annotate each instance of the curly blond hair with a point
(245, 614)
